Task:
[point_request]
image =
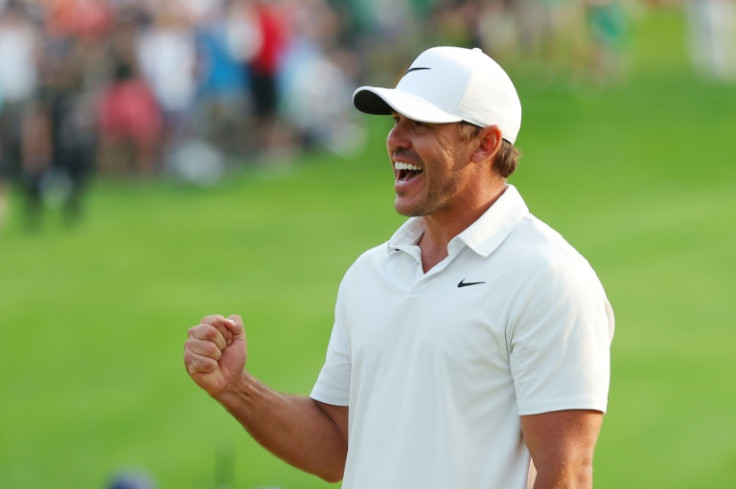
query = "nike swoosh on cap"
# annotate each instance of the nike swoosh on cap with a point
(418, 68)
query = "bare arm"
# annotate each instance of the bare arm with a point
(297, 429)
(303, 432)
(562, 445)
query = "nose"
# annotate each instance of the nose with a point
(397, 137)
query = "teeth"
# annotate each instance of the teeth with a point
(400, 165)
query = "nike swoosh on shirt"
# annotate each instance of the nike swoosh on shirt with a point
(463, 283)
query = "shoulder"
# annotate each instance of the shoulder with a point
(544, 268)
(533, 247)
(369, 259)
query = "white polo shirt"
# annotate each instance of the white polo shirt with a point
(437, 368)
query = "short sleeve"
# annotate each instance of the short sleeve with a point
(559, 341)
(333, 383)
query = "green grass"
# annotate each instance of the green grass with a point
(641, 179)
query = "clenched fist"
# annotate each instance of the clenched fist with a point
(215, 352)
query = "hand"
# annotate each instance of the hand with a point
(215, 352)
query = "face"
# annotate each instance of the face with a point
(431, 169)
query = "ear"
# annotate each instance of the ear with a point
(489, 142)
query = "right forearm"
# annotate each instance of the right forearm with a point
(294, 428)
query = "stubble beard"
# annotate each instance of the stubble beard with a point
(434, 199)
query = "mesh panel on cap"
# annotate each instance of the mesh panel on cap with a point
(490, 98)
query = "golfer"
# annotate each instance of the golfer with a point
(469, 351)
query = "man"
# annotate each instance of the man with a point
(471, 348)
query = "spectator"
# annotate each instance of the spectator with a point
(264, 69)
(24, 138)
(130, 124)
(18, 79)
(608, 29)
(712, 38)
(222, 78)
(310, 108)
(167, 57)
(63, 100)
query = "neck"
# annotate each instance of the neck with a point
(441, 228)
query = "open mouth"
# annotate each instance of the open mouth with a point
(406, 171)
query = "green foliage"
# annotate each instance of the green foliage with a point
(640, 178)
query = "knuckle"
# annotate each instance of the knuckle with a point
(203, 348)
(213, 336)
(209, 332)
(203, 331)
(212, 319)
(189, 359)
(211, 350)
(196, 364)
(226, 334)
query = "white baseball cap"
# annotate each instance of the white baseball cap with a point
(449, 84)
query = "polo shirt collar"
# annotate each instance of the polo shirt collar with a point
(483, 236)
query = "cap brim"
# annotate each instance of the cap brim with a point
(385, 101)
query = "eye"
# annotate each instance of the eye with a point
(414, 125)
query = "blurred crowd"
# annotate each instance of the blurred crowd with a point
(147, 87)
(138, 88)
